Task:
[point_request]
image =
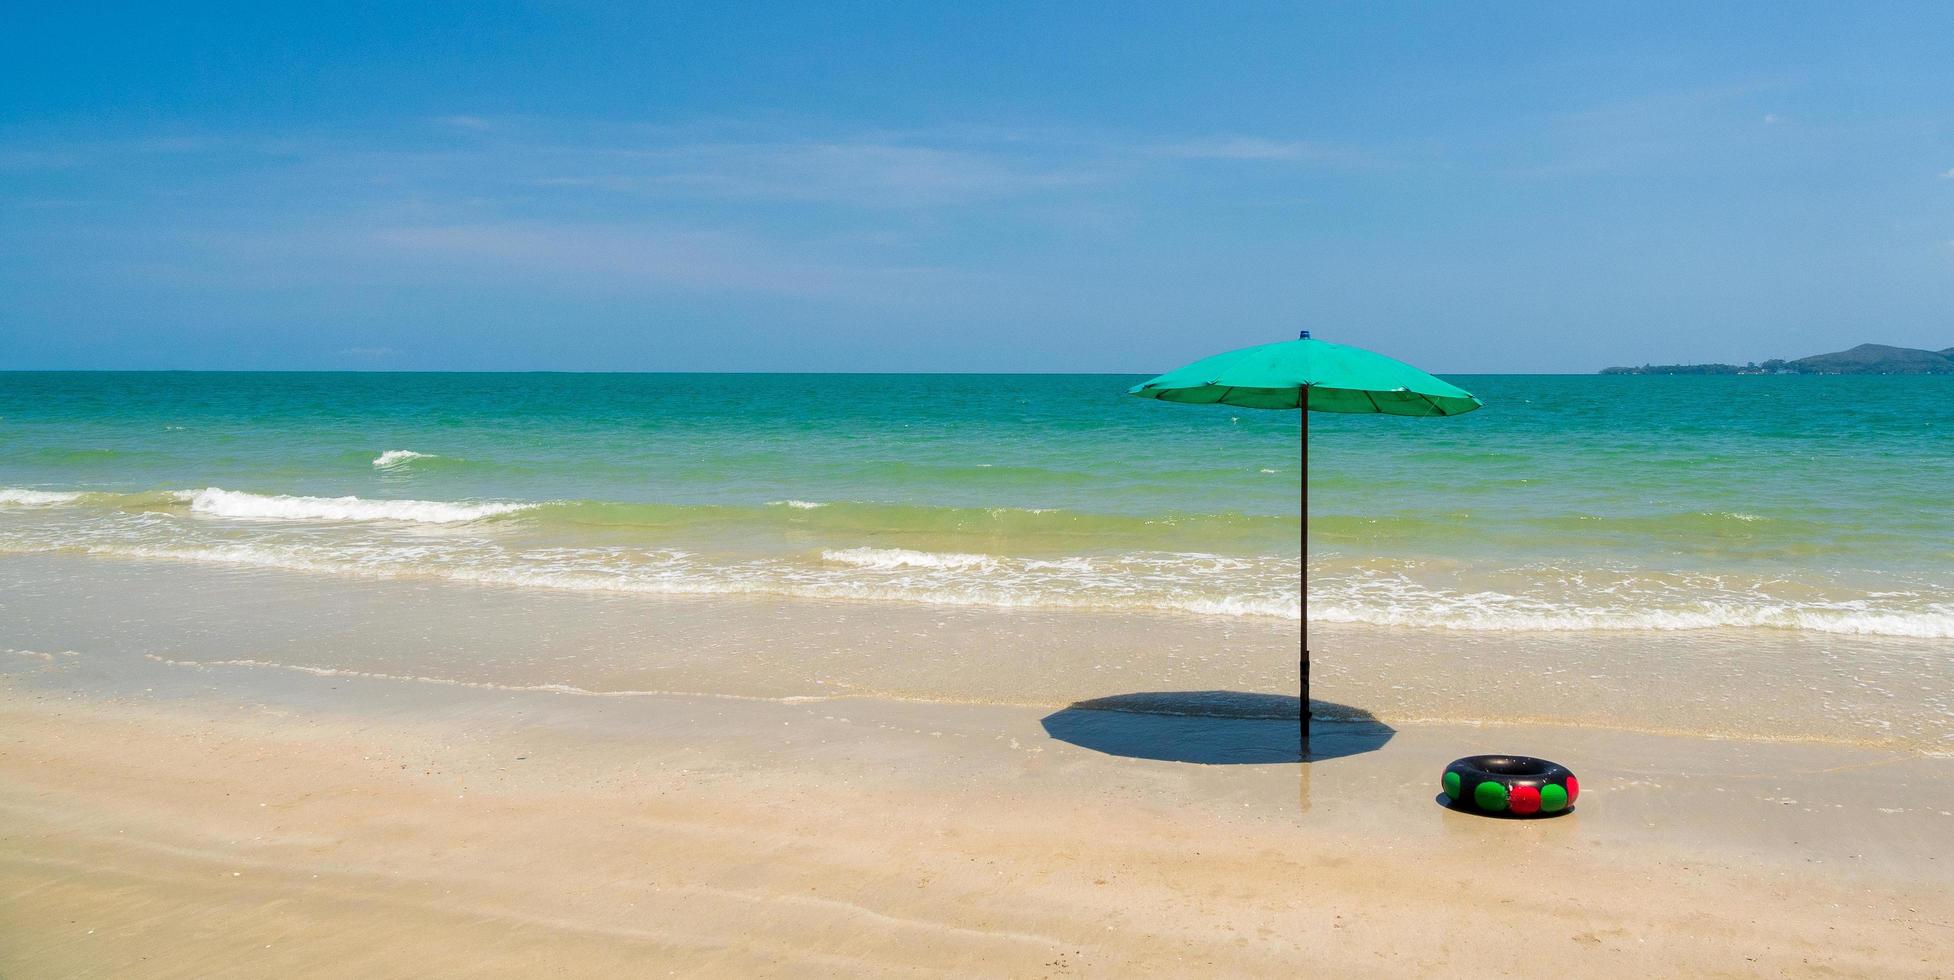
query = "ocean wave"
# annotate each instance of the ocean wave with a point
(40, 655)
(1515, 614)
(904, 558)
(956, 557)
(905, 579)
(478, 685)
(1036, 528)
(843, 522)
(1187, 583)
(394, 458)
(218, 502)
(20, 497)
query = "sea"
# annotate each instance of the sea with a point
(1568, 504)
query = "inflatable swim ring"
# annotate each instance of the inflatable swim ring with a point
(1510, 785)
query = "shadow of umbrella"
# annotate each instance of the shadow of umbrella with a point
(1215, 727)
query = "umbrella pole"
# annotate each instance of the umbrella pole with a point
(1302, 640)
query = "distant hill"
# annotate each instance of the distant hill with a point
(1863, 359)
(1877, 359)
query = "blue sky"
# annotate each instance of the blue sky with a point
(904, 186)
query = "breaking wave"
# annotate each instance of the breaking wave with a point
(885, 558)
(218, 502)
(18, 497)
(1000, 558)
(395, 458)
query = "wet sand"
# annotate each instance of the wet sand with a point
(134, 620)
(170, 814)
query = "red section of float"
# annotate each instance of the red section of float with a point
(1524, 800)
(1573, 789)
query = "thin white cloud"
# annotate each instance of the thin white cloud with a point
(720, 160)
(854, 217)
(586, 257)
(870, 174)
(637, 258)
(1654, 129)
(1947, 174)
(476, 123)
(53, 203)
(1260, 148)
(36, 158)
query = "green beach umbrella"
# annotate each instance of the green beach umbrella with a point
(1319, 376)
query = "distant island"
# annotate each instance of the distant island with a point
(1863, 359)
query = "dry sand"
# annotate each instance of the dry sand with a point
(526, 834)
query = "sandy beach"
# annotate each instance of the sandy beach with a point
(1002, 490)
(217, 815)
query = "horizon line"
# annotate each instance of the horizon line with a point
(8, 370)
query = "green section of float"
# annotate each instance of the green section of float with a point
(1450, 784)
(1553, 798)
(1490, 796)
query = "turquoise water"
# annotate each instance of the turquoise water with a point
(1569, 503)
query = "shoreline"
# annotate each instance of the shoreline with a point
(129, 619)
(1730, 566)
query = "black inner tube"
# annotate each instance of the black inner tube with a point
(1501, 765)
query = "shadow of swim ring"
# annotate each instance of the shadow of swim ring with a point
(1509, 786)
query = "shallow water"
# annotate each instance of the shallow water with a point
(1568, 504)
(128, 628)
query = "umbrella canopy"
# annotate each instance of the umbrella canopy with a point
(1338, 379)
(1323, 377)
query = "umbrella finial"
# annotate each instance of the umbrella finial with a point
(1305, 335)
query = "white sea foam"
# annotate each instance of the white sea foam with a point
(796, 504)
(1232, 606)
(1205, 586)
(218, 502)
(40, 655)
(480, 685)
(393, 458)
(904, 558)
(18, 497)
(1495, 612)
(349, 536)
